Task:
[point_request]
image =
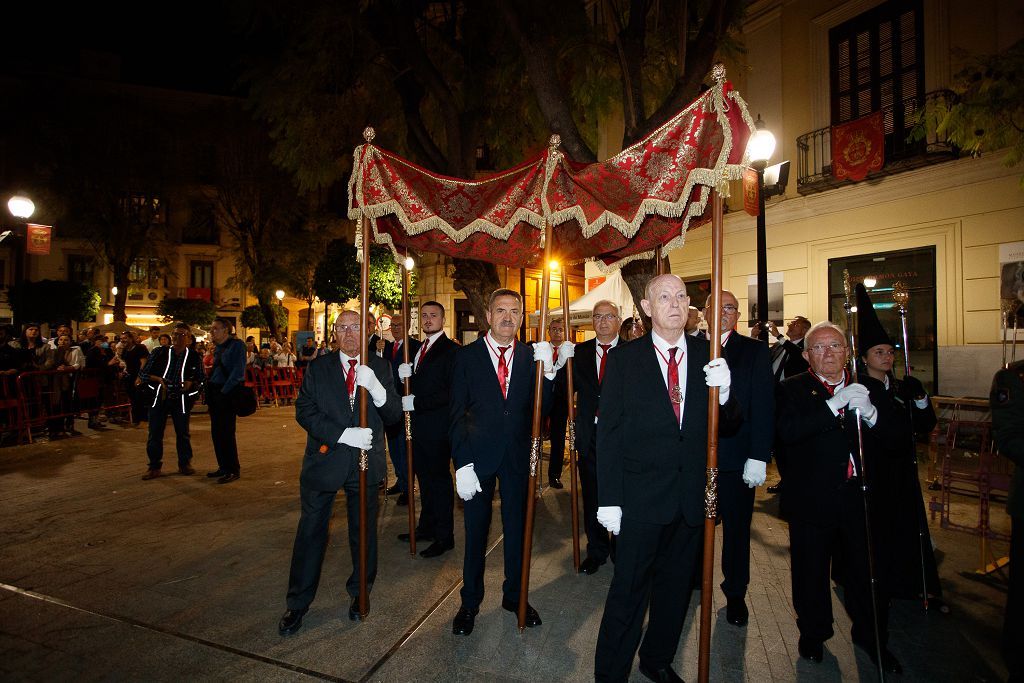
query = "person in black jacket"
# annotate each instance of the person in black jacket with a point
(816, 418)
(228, 372)
(430, 375)
(559, 415)
(651, 466)
(393, 353)
(171, 380)
(328, 409)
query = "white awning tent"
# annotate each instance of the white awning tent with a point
(613, 289)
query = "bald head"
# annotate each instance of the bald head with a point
(666, 302)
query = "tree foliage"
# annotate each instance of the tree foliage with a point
(54, 301)
(192, 312)
(337, 277)
(252, 316)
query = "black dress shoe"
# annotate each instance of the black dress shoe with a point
(810, 649)
(890, 664)
(556, 484)
(403, 500)
(420, 536)
(228, 478)
(532, 618)
(437, 548)
(666, 675)
(353, 610)
(291, 621)
(392, 490)
(462, 625)
(216, 474)
(590, 566)
(736, 612)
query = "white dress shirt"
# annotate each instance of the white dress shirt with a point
(494, 352)
(427, 343)
(663, 346)
(600, 353)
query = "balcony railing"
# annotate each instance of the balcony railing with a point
(814, 149)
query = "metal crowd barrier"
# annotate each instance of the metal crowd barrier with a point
(43, 399)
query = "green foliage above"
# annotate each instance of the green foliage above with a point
(252, 316)
(192, 312)
(987, 113)
(337, 276)
(54, 301)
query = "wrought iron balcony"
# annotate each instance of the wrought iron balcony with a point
(814, 149)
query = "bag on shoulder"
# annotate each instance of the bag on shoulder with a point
(244, 400)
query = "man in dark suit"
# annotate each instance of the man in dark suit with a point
(430, 383)
(743, 457)
(396, 433)
(590, 360)
(816, 418)
(328, 409)
(559, 409)
(491, 415)
(787, 361)
(651, 464)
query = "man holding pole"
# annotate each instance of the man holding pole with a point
(651, 444)
(328, 409)
(396, 433)
(491, 412)
(559, 409)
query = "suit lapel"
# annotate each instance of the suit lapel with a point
(650, 369)
(336, 381)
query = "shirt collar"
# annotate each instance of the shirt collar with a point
(664, 346)
(725, 336)
(494, 342)
(346, 358)
(431, 338)
(613, 343)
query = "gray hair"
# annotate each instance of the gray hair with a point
(823, 325)
(609, 302)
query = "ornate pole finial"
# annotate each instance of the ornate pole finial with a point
(900, 296)
(369, 134)
(846, 285)
(554, 141)
(718, 73)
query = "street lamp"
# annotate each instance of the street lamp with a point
(760, 149)
(409, 263)
(280, 295)
(22, 208)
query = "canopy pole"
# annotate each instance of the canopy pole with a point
(364, 342)
(711, 485)
(659, 264)
(535, 441)
(409, 477)
(573, 490)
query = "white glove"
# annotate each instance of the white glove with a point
(405, 371)
(467, 484)
(716, 373)
(610, 517)
(842, 397)
(543, 352)
(566, 350)
(754, 472)
(407, 403)
(868, 412)
(357, 437)
(365, 377)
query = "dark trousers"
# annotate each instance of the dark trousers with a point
(813, 549)
(311, 541)
(431, 460)
(157, 424)
(395, 436)
(140, 407)
(736, 507)
(222, 428)
(1013, 626)
(557, 433)
(478, 521)
(598, 544)
(653, 570)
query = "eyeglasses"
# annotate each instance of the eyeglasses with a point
(342, 329)
(729, 308)
(834, 347)
(604, 318)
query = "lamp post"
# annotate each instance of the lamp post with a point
(22, 208)
(760, 149)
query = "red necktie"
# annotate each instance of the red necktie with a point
(395, 349)
(503, 371)
(350, 378)
(423, 352)
(604, 361)
(554, 354)
(673, 381)
(842, 411)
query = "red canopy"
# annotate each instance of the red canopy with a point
(616, 210)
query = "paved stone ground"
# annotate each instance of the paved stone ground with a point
(107, 577)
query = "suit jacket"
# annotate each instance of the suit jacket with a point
(488, 429)
(389, 348)
(586, 388)
(752, 387)
(322, 409)
(818, 445)
(431, 384)
(794, 362)
(648, 464)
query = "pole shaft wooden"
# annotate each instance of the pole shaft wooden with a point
(410, 481)
(575, 515)
(711, 486)
(538, 395)
(364, 343)
(659, 261)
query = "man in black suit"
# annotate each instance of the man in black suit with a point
(590, 360)
(743, 457)
(559, 409)
(491, 416)
(396, 433)
(328, 409)
(651, 464)
(430, 375)
(787, 361)
(816, 419)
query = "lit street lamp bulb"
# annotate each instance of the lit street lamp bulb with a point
(279, 294)
(409, 263)
(113, 290)
(762, 143)
(21, 207)
(870, 282)
(553, 265)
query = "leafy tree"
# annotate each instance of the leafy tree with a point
(337, 277)
(252, 316)
(192, 312)
(54, 301)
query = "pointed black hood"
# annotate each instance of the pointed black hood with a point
(869, 330)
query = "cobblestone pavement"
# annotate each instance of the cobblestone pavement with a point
(104, 576)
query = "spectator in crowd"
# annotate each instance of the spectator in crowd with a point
(133, 356)
(208, 359)
(12, 359)
(154, 339)
(251, 351)
(285, 357)
(98, 359)
(263, 359)
(325, 348)
(66, 356)
(629, 330)
(228, 372)
(164, 340)
(307, 353)
(274, 347)
(61, 330)
(39, 353)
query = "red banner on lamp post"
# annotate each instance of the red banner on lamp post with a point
(750, 189)
(37, 239)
